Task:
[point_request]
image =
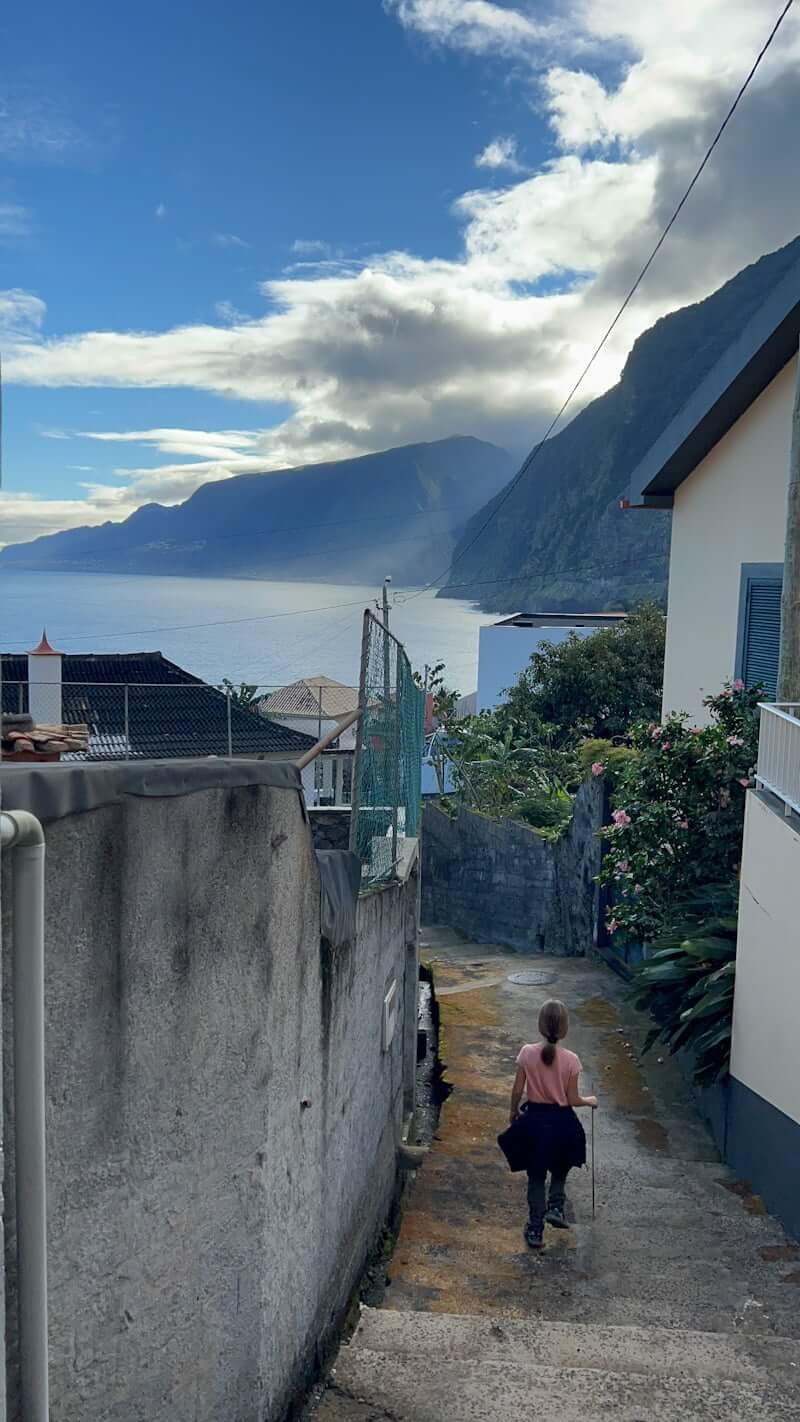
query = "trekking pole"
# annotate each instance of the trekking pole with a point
(594, 1213)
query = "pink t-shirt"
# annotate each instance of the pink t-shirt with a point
(547, 1085)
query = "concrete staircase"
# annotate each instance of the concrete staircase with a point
(419, 1367)
(678, 1303)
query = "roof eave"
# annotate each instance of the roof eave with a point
(767, 343)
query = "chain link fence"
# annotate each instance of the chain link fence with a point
(387, 776)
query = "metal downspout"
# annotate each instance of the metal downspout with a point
(23, 833)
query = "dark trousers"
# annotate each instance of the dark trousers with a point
(537, 1195)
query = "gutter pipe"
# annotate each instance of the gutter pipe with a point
(23, 833)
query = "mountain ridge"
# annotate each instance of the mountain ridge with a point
(406, 505)
(561, 531)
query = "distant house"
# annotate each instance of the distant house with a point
(722, 466)
(139, 705)
(505, 648)
(314, 706)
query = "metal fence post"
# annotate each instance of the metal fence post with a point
(230, 732)
(396, 778)
(355, 784)
(127, 723)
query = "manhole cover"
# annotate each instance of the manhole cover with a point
(531, 979)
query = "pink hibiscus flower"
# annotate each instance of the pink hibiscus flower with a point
(613, 926)
(621, 818)
(598, 768)
(738, 685)
(735, 741)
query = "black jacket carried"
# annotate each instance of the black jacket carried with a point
(544, 1137)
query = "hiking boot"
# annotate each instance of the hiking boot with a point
(534, 1231)
(554, 1216)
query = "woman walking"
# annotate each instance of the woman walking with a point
(545, 1136)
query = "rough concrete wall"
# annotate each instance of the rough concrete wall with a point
(499, 882)
(330, 827)
(221, 1117)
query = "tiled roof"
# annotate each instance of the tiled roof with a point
(169, 713)
(302, 698)
(21, 738)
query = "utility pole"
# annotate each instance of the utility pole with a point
(789, 662)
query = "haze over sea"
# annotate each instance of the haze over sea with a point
(270, 633)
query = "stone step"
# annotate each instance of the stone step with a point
(408, 1387)
(534, 1343)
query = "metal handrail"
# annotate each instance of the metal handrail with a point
(778, 769)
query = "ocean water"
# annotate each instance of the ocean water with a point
(269, 633)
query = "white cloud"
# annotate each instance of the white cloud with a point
(228, 239)
(474, 25)
(500, 153)
(36, 126)
(15, 221)
(21, 314)
(305, 247)
(161, 211)
(209, 444)
(394, 347)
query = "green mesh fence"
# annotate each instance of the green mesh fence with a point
(387, 795)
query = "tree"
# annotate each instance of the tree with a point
(592, 687)
(243, 695)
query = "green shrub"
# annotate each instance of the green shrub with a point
(679, 812)
(548, 812)
(613, 758)
(687, 982)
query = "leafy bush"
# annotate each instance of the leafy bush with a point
(687, 983)
(549, 812)
(679, 812)
(594, 686)
(604, 758)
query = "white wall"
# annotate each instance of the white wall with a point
(766, 1022)
(310, 726)
(504, 652)
(730, 511)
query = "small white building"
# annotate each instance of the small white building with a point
(722, 466)
(505, 648)
(315, 705)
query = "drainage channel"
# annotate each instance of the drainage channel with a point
(431, 1089)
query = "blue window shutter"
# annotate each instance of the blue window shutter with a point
(762, 631)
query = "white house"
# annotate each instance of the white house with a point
(505, 648)
(315, 705)
(722, 466)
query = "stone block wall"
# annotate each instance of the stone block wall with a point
(499, 882)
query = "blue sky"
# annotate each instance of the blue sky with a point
(251, 236)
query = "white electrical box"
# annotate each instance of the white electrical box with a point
(389, 1016)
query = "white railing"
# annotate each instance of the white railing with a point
(779, 753)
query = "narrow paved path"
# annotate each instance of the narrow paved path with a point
(681, 1275)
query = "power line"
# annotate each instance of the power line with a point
(199, 626)
(642, 274)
